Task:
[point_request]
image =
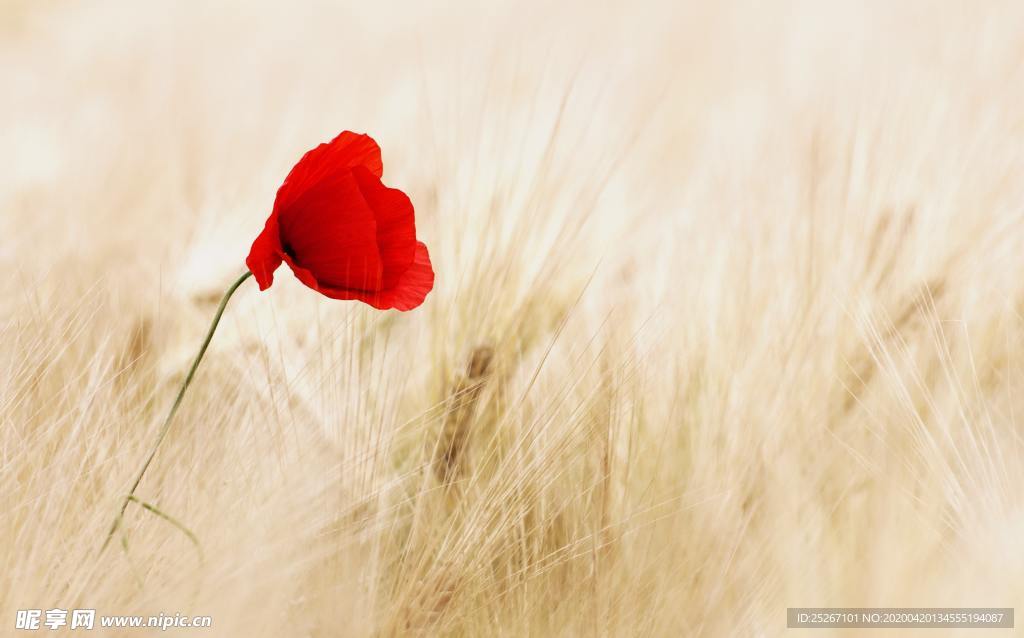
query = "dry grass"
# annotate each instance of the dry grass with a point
(728, 316)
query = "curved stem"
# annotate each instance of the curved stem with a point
(149, 507)
(174, 408)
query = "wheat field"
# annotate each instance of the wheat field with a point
(729, 316)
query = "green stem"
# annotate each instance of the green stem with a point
(170, 519)
(174, 408)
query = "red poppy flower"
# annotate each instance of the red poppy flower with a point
(342, 232)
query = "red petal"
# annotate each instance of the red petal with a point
(396, 225)
(331, 232)
(265, 254)
(409, 292)
(303, 274)
(414, 284)
(345, 151)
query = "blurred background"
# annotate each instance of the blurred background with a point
(728, 315)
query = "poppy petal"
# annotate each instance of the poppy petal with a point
(408, 293)
(303, 274)
(265, 254)
(331, 231)
(345, 151)
(396, 225)
(415, 283)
